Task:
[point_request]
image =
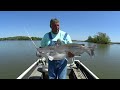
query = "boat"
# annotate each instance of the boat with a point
(75, 70)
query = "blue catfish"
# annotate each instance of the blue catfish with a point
(60, 50)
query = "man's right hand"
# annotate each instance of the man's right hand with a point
(70, 55)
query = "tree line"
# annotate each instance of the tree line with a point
(20, 38)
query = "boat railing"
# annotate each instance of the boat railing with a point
(43, 60)
(27, 70)
(88, 70)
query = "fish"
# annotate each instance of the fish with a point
(60, 50)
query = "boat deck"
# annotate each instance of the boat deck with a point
(41, 72)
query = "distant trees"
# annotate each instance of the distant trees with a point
(20, 38)
(101, 38)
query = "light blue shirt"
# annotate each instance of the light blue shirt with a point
(46, 40)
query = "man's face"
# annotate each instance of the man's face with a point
(55, 27)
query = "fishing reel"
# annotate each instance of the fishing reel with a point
(43, 60)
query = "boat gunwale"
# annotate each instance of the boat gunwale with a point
(35, 64)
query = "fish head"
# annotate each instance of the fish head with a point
(43, 50)
(39, 52)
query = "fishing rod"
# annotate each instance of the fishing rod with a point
(43, 60)
(32, 41)
(37, 53)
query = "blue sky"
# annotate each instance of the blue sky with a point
(79, 24)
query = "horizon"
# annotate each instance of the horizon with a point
(78, 24)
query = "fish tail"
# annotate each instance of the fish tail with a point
(92, 49)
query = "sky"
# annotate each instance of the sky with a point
(78, 24)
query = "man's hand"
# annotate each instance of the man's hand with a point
(70, 55)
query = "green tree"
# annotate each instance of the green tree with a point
(90, 39)
(101, 38)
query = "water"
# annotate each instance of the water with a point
(17, 56)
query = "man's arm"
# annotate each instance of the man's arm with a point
(69, 40)
(43, 41)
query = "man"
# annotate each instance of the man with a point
(56, 68)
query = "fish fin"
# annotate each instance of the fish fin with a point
(59, 42)
(50, 58)
(92, 49)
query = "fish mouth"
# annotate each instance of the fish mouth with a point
(41, 52)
